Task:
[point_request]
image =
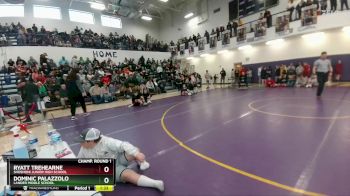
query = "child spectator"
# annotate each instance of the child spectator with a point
(291, 76)
(145, 93)
(243, 77)
(270, 83)
(137, 99)
(184, 91)
(95, 93)
(105, 94)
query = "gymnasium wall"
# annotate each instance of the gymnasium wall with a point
(335, 42)
(56, 53)
(136, 27)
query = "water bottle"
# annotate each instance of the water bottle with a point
(33, 142)
(57, 143)
(50, 131)
(19, 147)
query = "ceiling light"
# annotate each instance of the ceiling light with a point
(148, 18)
(246, 47)
(190, 58)
(97, 6)
(275, 42)
(222, 51)
(189, 15)
(164, 1)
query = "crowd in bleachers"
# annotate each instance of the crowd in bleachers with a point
(294, 8)
(80, 38)
(101, 81)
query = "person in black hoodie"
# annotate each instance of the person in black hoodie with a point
(75, 93)
(30, 95)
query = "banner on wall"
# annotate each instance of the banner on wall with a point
(226, 38)
(260, 28)
(191, 46)
(56, 53)
(213, 41)
(282, 24)
(309, 15)
(201, 44)
(241, 34)
(104, 54)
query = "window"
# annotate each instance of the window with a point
(109, 21)
(11, 11)
(80, 16)
(47, 12)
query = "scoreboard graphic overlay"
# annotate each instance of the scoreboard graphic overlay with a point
(61, 174)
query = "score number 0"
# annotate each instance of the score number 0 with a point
(106, 179)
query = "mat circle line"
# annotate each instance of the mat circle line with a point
(229, 167)
(252, 107)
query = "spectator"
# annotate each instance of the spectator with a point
(290, 8)
(344, 3)
(145, 93)
(151, 86)
(268, 17)
(137, 99)
(333, 5)
(32, 62)
(338, 70)
(30, 96)
(207, 36)
(105, 94)
(270, 83)
(299, 7)
(74, 62)
(323, 5)
(35, 29)
(307, 70)
(223, 75)
(160, 71)
(249, 75)
(291, 76)
(300, 77)
(75, 93)
(207, 78)
(96, 94)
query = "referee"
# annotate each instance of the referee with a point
(322, 67)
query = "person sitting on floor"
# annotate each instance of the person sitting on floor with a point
(270, 83)
(95, 93)
(312, 81)
(96, 145)
(291, 75)
(105, 94)
(137, 99)
(145, 93)
(184, 91)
